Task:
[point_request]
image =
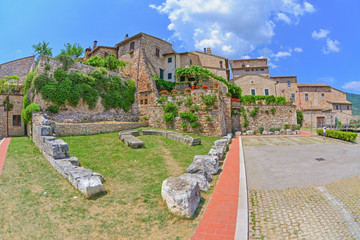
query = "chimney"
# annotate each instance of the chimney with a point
(208, 51)
(95, 43)
(204, 50)
(126, 36)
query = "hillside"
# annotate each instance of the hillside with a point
(355, 99)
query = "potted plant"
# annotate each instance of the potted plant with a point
(197, 87)
(164, 93)
(187, 90)
(205, 87)
(174, 92)
(228, 94)
(216, 85)
(131, 51)
(211, 86)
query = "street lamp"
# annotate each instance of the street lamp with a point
(311, 114)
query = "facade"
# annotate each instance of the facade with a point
(20, 67)
(11, 123)
(321, 104)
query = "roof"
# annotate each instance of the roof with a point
(98, 47)
(339, 102)
(210, 54)
(18, 59)
(285, 77)
(139, 35)
(312, 85)
(251, 59)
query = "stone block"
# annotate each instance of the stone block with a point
(217, 151)
(90, 185)
(271, 133)
(57, 148)
(199, 179)
(249, 132)
(277, 133)
(199, 167)
(132, 141)
(181, 196)
(46, 122)
(212, 162)
(282, 131)
(264, 133)
(238, 133)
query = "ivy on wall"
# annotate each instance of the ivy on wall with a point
(73, 87)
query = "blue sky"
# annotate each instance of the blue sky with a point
(316, 40)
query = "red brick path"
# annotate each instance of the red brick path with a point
(3, 149)
(219, 219)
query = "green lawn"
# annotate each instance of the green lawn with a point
(132, 209)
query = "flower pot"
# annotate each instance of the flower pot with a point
(216, 85)
(193, 87)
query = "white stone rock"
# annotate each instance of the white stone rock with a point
(199, 167)
(211, 161)
(199, 179)
(181, 196)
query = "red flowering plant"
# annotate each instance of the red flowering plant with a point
(235, 100)
(187, 90)
(228, 94)
(174, 92)
(205, 87)
(197, 87)
(164, 93)
(211, 86)
(216, 85)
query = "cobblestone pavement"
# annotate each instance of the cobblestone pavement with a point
(324, 212)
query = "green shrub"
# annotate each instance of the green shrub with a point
(169, 117)
(66, 60)
(90, 95)
(162, 99)
(261, 129)
(40, 81)
(208, 118)
(26, 101)
(254, 112)
(183, 125)
(338, 124)
(162, 84)
(299, 117)
(27, 112)
(267, 111)
(179, 102)
(75, 95)
(111, 63)
(346, 136)
(170, 107)
(286, 126)
(246, 124)
(95, 61)
(298, 126)
(49, 90)
(28, 81)
(209, 100)
(78, 77)
(144, 119)
(60, 75)
(188, 101)
(273, 110)
(293, 127)
(53, 109)
(194, 108)
(47, 67)
(191, 117)
(275, 129)
(195, 124)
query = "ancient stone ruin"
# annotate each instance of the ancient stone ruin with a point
(182, 194)
(56, 151)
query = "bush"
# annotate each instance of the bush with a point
(254, 112)
(162, 84)
(60, 75)
(170, 108)
(95, 61)
(273, 110)
(261, 129)
(298, 126)
(299, 117)
(66, 60)
(40, 81)
(346, 136)
(169, 117)
(183, 125)
(111, 63)
(275, 129)
(286, 126)
(53, 109)
(208, 118)
(27, 112)
(195, 125)
(293, 127)
(246, 124)
(162, 99)
(90, 95)
(191, 117)
(209, 100)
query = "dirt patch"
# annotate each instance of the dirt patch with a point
(172, 165)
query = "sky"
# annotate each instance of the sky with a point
(316, 40)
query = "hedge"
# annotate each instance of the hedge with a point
(346, 136)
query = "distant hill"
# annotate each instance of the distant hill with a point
(355, 99)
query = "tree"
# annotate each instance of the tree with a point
(74, 51)
(9, 83)
(42, 49)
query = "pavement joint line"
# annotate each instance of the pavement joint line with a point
(345, 214)
(267, 142)
(242, 220)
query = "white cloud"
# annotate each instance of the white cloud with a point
(322, 33)
(353, 85)
(297, 49)
(273, 66)
(246, 57)
(283, 17)
(229, 27)
(331, 46)
(281, 54)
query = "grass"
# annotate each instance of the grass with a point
(38, 203)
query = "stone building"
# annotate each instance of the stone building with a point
(320, 103)
(20, 67)
(11, 123)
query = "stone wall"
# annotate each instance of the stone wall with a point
(284, 115)
(215, 127)
(327, 118)
(258, 82)
(75, 129)
(19, 67)
(82, 113)
(14, 114)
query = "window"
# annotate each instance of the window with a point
(161, 73)
(141, 101)
(190, 62)
(252, 70)
(157, 52)
(293, 96)
(348, 107)
(306, 97)
(266, 92)
(145, 101)
(247, 70)
(182, 79)
(16, 120)
(191, 79)
(243, 65)
(221, 64)
(323, 96)
(132, 45)
(169, 75)
(262, 69)
(257, 69)
(289, 84)
(337, 107)
(170, 60)
(253, 92)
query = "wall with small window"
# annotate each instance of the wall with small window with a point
(256, 85)
(10, 122)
